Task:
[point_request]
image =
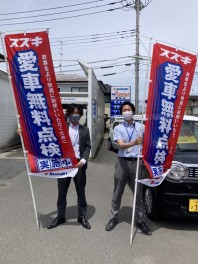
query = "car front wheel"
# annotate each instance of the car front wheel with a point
(150, 204)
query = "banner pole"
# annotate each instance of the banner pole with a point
(19, 127)
(138, 159)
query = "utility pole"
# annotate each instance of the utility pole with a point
(138, 8)
(138, 5)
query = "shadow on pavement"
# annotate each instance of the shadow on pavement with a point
(71, 214)
(125, 215)
(175, 224)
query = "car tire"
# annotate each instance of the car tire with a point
(110, 147)
(150, 204)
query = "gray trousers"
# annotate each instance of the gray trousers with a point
(124, 170)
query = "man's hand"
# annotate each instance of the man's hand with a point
(80, 164)
(139, 140)
(19, 131)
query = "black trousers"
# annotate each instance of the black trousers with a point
(63, 185)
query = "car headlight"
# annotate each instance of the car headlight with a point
(178, 171)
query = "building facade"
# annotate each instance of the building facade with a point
(88, 92)
(192, 106)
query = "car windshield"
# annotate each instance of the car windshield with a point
(188, 137)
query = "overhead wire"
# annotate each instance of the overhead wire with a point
(95, 48)
(61, 18)
(95, 68)
(113, 59)
(103, 65)
(113, 73)
(96, 35)
(94, 39)
(89, 41)
(127, 6)
(61, 12)
(50, 8)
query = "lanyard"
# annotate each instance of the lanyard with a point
(130, 136)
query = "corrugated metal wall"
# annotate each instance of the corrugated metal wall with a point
(97, 131)
(8, 121)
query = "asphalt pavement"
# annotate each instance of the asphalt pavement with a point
(172, 241)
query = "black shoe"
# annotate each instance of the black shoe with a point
(144, 228)
(83, 221)
(111, 224)
(57, 221)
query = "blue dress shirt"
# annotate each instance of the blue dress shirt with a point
(128, 133)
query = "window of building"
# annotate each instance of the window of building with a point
(65, 89)
(84, 89)
(107, 98)
(79, 89)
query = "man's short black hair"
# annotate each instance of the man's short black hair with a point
(71, 107)
(127, 103)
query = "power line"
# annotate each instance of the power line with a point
(98, 68)
(104, 47)
(111, 59)
(125, 62)
(94, 37)
(61, 18)
(92, 44)
(50, 8)
(89, 41)
(65, 43)
(52, 19)
(113, 73)
(92, 62)
(62, 12)
(107, 74)
(98, 34)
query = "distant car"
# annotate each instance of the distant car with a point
(111, 144)
(177, 195)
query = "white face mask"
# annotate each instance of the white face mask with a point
(128, 115)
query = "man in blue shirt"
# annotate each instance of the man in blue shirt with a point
(128, 135)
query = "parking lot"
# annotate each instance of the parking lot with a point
(172, 241)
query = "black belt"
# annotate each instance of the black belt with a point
(129, 158)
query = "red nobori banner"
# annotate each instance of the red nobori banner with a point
(46, 138)
(172, 72)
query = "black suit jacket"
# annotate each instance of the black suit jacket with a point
(84, 143)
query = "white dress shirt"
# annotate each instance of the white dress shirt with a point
(74, 136)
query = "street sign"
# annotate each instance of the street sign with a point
(119, 95)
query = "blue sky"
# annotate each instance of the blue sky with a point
(170, 21)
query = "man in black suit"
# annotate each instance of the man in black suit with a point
(80, 139)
